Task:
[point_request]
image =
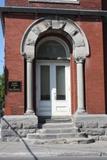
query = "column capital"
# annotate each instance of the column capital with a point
(29, 59)
(29, 56)
(80, 60)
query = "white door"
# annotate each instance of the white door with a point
(53, 89)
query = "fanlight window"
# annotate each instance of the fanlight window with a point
(52, 48)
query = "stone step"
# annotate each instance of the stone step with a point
(56, 136)
(58, 125)
(59, 120)
(61, 141)
(55, 119)
(58, 130)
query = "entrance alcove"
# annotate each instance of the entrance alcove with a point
(52, 68)
(49, 31)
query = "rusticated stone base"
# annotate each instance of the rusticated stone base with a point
(93, 125)
(14, 128)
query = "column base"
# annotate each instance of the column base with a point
(80, 112)
(29, 112)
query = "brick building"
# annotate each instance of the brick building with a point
(55, 59)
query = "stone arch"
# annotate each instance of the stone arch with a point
(79, 40)
(80, 52)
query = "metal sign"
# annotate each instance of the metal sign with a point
(14, 86)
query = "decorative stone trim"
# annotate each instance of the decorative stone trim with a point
(57, 1)
(80, 60)
(79, 40)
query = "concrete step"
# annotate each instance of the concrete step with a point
(58, 130)
(61, 141)
(56, 136)
(58, 125)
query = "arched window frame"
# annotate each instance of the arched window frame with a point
(59, 40)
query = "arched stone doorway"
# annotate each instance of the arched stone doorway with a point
(80, 49)
(53, 77)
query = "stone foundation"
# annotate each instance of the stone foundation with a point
(93, 125)
(14, 128)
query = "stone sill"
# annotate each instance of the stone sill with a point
(57, 1)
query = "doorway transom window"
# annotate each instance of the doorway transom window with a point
(52, 48)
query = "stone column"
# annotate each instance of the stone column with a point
(80, 86)
(29, 109)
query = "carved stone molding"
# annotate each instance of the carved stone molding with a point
(80, 60)
(79, 40)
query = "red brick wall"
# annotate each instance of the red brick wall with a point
(105, 56)
(94, 67)
(86, 4)
(14, 28)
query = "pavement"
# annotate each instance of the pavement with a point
(8, 149)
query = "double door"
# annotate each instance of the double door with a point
(53, 89)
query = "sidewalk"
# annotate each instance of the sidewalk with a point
(46, 150)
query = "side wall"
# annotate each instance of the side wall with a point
(94, 67)
(15, 27)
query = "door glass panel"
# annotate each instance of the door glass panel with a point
(45, 82)
(60, 82)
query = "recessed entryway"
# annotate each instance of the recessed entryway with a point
(53, 77)
(55, 38)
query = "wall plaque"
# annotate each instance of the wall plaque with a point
(14, 86)
(56, 1)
